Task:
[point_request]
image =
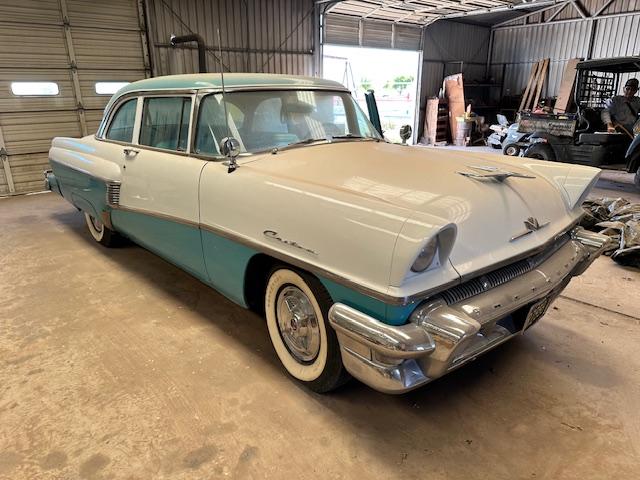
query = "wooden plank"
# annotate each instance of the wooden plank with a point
(534, 83)
(565, 93)
(523, 102)
(431, 121)
(454, 92)
(541, 78)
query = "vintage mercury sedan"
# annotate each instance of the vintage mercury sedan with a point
(391, 263)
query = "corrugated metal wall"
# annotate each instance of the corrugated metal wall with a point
(448, 48)
(271, 36)
(519, 46)
(73, 43)
(446, 44)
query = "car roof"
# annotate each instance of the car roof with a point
(613, 65)
(234, 81)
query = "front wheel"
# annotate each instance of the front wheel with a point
(297, 307)
(511, 150)
(100, 232)
(636, 178)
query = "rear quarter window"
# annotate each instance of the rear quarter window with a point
(121, 126)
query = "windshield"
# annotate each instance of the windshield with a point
(263, 120)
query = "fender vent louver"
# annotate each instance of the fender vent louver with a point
(113, 194)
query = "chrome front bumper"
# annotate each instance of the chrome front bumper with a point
(442, 337)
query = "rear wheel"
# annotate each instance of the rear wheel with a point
(636, 178)
(100, 232)
(297, 308)
(541, 151)
(511, 150)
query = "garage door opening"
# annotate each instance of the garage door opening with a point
(392, 74)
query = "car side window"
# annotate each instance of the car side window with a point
(121, 127)
(165, 122)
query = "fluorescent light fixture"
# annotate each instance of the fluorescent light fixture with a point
(109, 88)
(34, 89)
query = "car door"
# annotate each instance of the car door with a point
(159, 193)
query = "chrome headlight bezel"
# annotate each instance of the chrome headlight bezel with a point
(434, 251)
(426, 257)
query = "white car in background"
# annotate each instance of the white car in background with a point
(390, 263)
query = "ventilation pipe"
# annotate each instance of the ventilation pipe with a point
(193, 37)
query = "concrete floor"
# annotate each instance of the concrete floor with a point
(115, 364)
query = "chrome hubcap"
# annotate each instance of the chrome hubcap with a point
(97, 224)
(298, 324)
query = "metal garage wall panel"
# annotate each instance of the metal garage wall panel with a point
(112, 49)
(376, 34)
(90, 98)
(453, 41)
(31, 11)
(273, 36)
(32, 132)
(341, 30)
(407, 38)
(617, 36)
(345, 30)
(521, 47)
(101, 42)
(93, 117)
(11, 103)
(26, 171)
(25, 46)
(116, 14)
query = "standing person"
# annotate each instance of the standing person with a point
(623, 109)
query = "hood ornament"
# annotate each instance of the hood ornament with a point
(531, 224)
(492, 173)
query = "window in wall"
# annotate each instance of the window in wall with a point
(121, 127)
(109, 88)
(34, 89)
(165, 122)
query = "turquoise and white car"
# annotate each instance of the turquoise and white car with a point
(391, 263)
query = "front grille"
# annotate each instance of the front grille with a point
(113, 193)
(500, 276)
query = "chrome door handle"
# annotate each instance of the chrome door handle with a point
(129, 152)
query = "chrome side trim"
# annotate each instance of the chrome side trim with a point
(160, 216)
(113, 194)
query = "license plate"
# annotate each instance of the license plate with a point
(536, 312)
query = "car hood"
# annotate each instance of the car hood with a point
(426, 185)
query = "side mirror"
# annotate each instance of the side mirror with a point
(405, 133)
(230, 147)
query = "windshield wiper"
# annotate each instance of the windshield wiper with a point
(306, 141)
(346, 135)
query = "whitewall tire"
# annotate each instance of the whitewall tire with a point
(100, 232)
(296, 307)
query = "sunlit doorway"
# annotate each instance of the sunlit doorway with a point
(392, 74)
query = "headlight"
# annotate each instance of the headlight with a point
(426, 256)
